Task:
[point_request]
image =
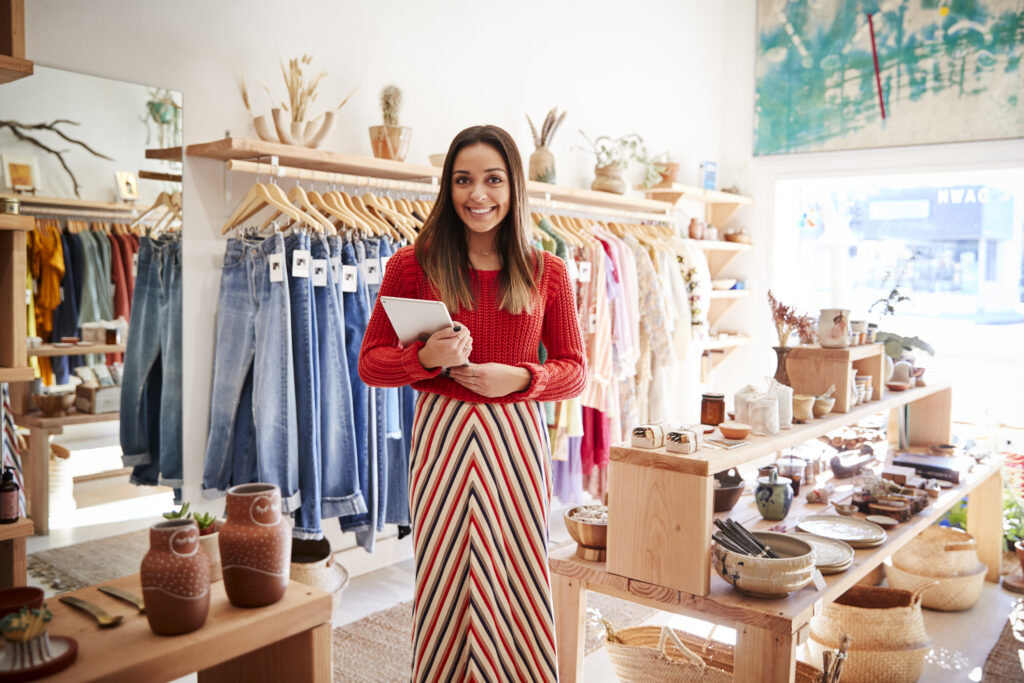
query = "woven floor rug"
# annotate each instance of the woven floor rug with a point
(376, 649)
(1006, 660)
(84, 564)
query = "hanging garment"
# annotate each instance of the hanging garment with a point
(65, 318)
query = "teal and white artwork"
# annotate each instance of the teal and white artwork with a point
(854, 74)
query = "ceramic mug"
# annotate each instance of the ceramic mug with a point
(803, 406)
(834, 328)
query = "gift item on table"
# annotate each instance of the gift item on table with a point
(820, 494)
(763, 415)
(741, 401)
(948, 468)
(648, 436)
(784, 395)
(684, 439)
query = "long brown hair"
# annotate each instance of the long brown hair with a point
(441, 248)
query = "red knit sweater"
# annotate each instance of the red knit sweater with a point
(498, 336)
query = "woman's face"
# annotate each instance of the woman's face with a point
(480, 187)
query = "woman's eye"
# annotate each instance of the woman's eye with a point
(495, 180)
(461, 180)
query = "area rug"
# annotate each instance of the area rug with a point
(84, 564)
(376, 649)
(1005, 663)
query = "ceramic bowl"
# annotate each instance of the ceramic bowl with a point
(437, 159)
(734, 430)
(823, 406)
(724, 283)
(730, 488)
(844, 509)
(741, 237)
(13, 599)
(54, 405)
(587, 534)
(767, 577)
(897, 386)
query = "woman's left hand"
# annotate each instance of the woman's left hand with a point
(492, 379)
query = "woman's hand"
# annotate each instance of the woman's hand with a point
(446, 348)
(492, 379)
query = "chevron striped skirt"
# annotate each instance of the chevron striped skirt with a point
(480, 486)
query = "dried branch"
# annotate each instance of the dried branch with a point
(787, 320)
(17, 127)
(533, 131)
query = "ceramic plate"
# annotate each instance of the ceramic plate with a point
(882, 521)
(828, 552)
(85, 343)
(853, 530)
(62, 345)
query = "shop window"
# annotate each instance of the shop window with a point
(953, 243)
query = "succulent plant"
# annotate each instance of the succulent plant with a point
(180, 513)
(206, 523)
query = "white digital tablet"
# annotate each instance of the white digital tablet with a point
(415, 319)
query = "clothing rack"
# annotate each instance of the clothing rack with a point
(85, 214)
(274, 170)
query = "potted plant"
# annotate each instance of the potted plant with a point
(659, 170)
(209, 538)
(787, 321)
(897, 347)
(542, 161)
(613, 156)
(390, 141)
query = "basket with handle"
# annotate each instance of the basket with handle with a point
(643, 654)
(938, 551)
(944, 593)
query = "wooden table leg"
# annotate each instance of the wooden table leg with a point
(764, 656)
(13, 562)
(985, 522)
(37, 479)
(570, 600)
(304, 657)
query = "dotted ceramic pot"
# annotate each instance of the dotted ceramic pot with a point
(175, 577)
(255, 546)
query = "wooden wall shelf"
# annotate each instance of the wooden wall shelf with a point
(71, 203)
(719, 206)
(727, 343)
(36, 420)
(165, 153)
(17, 374)
(12, 68)
(18, 222)
(50, 350)
(166, 177)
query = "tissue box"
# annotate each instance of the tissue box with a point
(648, 436)
(98, 399)
(684, 440)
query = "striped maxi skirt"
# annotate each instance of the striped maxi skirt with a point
(480, 485)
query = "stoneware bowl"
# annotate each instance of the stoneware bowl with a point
(823, 406)
(730, 488)
(844, 509)
(591, 538)
(734, 430)
(13, 599)
(768, 577)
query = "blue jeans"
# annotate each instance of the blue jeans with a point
(253, 336)
(306, 366)
(339, 480)
(151, 421)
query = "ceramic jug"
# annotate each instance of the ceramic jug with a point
(834, 328)
(773, 496)
(255, 546)
(175, 576)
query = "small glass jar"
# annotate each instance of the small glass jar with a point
(712, 409)
(10, 205)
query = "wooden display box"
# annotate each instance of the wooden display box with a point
(98, 399)
(812, 369)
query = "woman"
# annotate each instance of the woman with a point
(479, 467)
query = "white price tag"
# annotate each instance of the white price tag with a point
(350, 278)
(384, 265)
(336, 268)
(135, 264)
(276, 262)
(372, 269)
(819, 580)
(571, 270)
(300, 263)
(28, 297)
(585, 271)
(319, 272)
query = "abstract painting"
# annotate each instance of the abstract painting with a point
(854, 74)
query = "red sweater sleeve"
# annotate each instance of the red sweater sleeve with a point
(564, 375)
(383, 361)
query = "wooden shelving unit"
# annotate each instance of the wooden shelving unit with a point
(165, 177)
(13, 68)
(13, 311)
(720, 253)
(72, 203)
(241, 149)
(719, 206)
(13, 64)
(165, 153)
(50, 350)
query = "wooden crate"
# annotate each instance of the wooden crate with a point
(659, 518)
(812, 369)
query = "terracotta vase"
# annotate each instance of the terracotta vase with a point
(542, 165)
(610, 178)
(255, 546)
(696, 229)
(390, 142)
(781, 376)
(175, 577)
(211, 544)
(669, 175)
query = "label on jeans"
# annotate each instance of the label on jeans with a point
(350, 278)
(384, 265)
(319, 272)
(571, 270)
(300, 263)
(372, 268)
(276, 263)
(336, 268)
(584, 271)
(135, 264)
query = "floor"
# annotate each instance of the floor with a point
(104, 507)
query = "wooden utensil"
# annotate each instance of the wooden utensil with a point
(130, 598)
(101, 616)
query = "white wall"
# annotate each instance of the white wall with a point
(650, 67)
(107, 112)
(757, 177)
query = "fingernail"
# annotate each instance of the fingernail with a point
(457, 328)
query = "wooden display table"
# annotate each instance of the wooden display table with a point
(287, 641)
(768, 631)
(12, 552)
(37, 470)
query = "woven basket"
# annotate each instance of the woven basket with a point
(873, 666)
(950, 594)
(938, 551)
(653, 653)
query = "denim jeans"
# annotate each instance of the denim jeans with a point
(339, 480)
(306, 368)
(378, 422)
(253, 335)
(65, 317)
(151, 434)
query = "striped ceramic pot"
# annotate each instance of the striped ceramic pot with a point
(255, 546)
(175, 577)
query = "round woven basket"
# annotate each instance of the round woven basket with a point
(938, 551)
(644, 656)
(873, 666)
(949, 594)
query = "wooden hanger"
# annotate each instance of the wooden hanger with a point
(329, 209)
(375, 225)
(299, 198)
(400, 223)
(259, 197)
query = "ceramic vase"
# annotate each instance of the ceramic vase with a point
(542, 165)
(255, 546)
(211, 544)
(781, 376)
(669, 175)
(834, 328)
(773, 496)
(390, 142)
(696, 229)
(175, 577)
(610, 178)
